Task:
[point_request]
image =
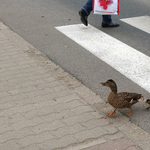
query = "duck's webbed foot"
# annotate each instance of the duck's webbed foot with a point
(130, 113)
(112, 113)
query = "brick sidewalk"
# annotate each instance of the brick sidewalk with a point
(44, 108)
(120, 144)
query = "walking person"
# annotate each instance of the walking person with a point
(85, 12)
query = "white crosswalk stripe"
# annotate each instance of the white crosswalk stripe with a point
(125, 59)
(142, 22)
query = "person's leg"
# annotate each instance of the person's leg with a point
(85, 12)
(88, 7)
(107, 21)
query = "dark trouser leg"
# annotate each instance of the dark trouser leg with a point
(106, 19)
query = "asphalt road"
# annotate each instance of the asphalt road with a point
(35, 21)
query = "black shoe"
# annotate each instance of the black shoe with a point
(112, 24)
(84, 17)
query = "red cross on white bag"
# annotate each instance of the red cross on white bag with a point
(104, 3)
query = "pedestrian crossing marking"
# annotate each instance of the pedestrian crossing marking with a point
(142, 22)
(125, 59)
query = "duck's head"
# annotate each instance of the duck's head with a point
(111, 84)
(147, 101)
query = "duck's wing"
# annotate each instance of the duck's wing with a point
(129, 97)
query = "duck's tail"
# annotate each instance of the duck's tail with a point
(141, 99)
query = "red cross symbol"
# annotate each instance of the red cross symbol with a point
(104, 3)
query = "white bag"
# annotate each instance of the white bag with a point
(107, 7)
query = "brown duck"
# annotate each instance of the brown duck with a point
(121, 100)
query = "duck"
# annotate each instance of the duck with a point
(147, 101)
(121, 100)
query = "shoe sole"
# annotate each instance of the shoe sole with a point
(110, 26)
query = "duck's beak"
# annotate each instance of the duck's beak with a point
(103, 84)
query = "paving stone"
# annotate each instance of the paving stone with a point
(92, 148)
(47, 126)
(11, 119)
(15, 110)
(110, 129)
(15, 135)
(70, 105)
(58, 115)
(58, 94)
(27, 123)
(78, 119)
(61, 132)
(81, 109)
(38, 112)
(35, 139)
(33, 100)
(95, 123)
(90, 134)
(7, 105)
(43, 102)
(6, 128)
(88, 95)
(4, 94)
(45, 77)
(133, 148)
(121, 144)
(13, 98)
(32, 147)
(68, 98)
(113, 137)
(34, 93)
(11, 145)
(52, 84)
(58, 143)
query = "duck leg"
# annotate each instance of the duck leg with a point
(112, 113)
(130, 113)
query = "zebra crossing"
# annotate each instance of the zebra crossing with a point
(128, 61)
(142, 22)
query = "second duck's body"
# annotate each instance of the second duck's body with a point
(148, 103)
